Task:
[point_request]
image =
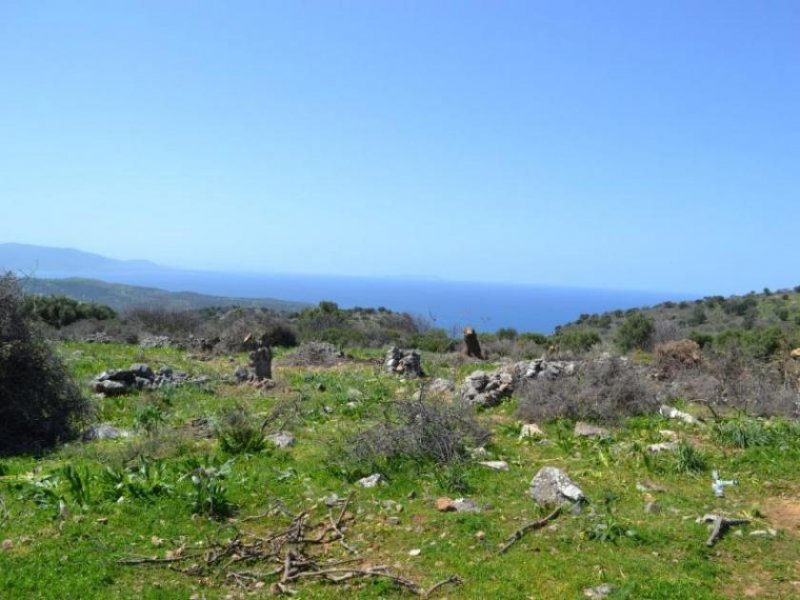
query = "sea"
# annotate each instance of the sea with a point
(451, 305)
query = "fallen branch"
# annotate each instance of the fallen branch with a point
(294, 554)
(721, 525)
(519, 533)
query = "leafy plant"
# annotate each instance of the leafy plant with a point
(238, 432)
(209, 495)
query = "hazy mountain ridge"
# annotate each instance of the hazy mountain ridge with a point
(123, 297)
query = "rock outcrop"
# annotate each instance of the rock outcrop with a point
(116, 382)
(484, 389)
(404, 362)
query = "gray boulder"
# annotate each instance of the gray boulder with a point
(552, 487)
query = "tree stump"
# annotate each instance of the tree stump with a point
(473, 346)
(261, 361)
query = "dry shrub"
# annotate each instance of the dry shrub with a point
(676, 355)
(39, 403)
(423, 431)
(753, 387)
(602, 391)
(314, 354)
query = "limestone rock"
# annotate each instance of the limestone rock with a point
(551, 486)
(587, 430)
(282, 439)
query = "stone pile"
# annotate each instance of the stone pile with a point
(116, 382)
(484, 389)
(404, 362)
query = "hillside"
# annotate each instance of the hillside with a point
(706, 316)
(123, 297)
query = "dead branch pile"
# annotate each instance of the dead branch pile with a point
(286, 558)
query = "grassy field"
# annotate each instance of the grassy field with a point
(68, 518)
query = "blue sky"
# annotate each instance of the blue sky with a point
(631, 145)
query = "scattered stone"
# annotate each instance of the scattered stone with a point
(116, 382)
(652, 508)
(587, 430)
(445, 504)
(393, 520)
(668, 433)
(7, 544)
(314, 354)
(440, 386)
(663, 447)
(242, 374)
(466, 505)
(415, 552)
(111, 388)
(353, 394)
(497, 465)
(764, 533)
(371, 481)
(331, 500)
(531, 430)
(159, 341)
(480, 535)
(551, 486)
(674, 413)
(483, 389)
(404, 362)
(650, 486)
(282, 439)
(103, 431)
(598, 592)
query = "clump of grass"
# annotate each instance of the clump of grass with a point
(688, 459)
(238, 432)
(209, 495)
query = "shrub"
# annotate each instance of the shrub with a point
(604, 391)
(59, 311)
(238, 432)
(635, 333)
(39, 403)
(160, 321)
(679, 354)
(507, 333)
(433, 340)
(577, 341)
(422, 431)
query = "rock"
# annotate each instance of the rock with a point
(393, 520)
(530, 430)
(497, 465)
(103, 431)
(652, 508)
(674, 413)
(480, 535)
(371, 481)
(466, 505)
(143, 371)
(587, 430)
(404, 362)
(261, 362)
(121, 375)
(795, 354)
(282, 439)
(331, 500)
(7, 545)
(551, 486)
(483, 389)
(109, 387)
(414, 552)
(650, 486)
(472, 346)
(353, 394)
(668, 434)
(159, 341)
(599, 592)
(445, 504)
(242, 374)
(440, 386)
(663, 447)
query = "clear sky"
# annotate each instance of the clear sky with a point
(634, 145)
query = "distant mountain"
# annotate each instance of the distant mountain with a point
(44, 262)
(123, 297)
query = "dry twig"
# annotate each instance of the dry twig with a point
(517, 535)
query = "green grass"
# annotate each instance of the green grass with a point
(72, 552)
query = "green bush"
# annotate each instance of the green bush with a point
(578, 341)
(39, 403)
(60, 311)
(635, 333)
